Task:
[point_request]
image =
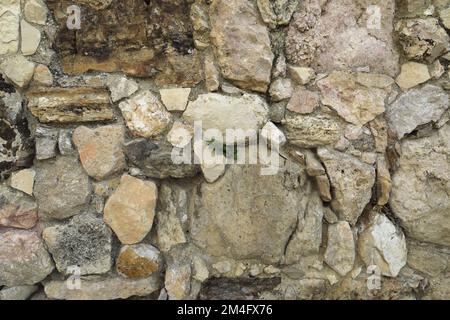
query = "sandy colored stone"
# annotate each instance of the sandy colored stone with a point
(384, 182)
(30, 38)
(36, 11)
(301, 75)
(9, 27)
(445, 17)
(18, 70)
(17, 210)
(138, 261)
(180, 134)
(23, 180)
(340, 253)
(100, 150)
(67, 105)
(178, 281)
(412, 74)
(42, 76)
(175, 99)
(303, 101)
(145, 115)
(280, 89)
(121, 87)
(131, 209)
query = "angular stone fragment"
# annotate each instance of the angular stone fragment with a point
(301, 75)
(121, 87)
(314, 130)
(383, 244)
(423, 39)
(36, 11)
(23, 258)
(62, 188)
(212, 74)
(278, 12)
(273, 136)
(340, 252)
(156, 160)
(30, 38)
(178, 281)
(18, 70)
(9, 26)
(138, 261)
(427, 258)
(235, 219)
(412, 74)
(46, 142)
(417, 107)
(421, 187)
(356, 104)
(145, 115)
(100, 150)
(313, 166)
(303, 101)
(104, 288)
(23, 180)
(42, 76)
(175, 99)
(384, 183)
(352, 182)
(131, 209)
(65, 105)
(237, 34)
(324, 188)
(84, 242)
(17, 210)
(280, 89)
(247, 112)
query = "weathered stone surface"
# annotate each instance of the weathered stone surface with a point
(9, 25)
(423, 39)
(62, 188)
(428, 259)
(342, 35)
(104, 288)
(30, 38)
(155, 160)
(121, 87)
(248, 112)
(445, 17)
(417, 107)
(180, 135)
(280, 89)
(340, 252)
(157, 42)
(235, 219)
(42, 76)
(384, 181)
(65, 105)
(46, 142)
(175, 99)
(301, 75)
(313, 130)
(131, 209)
(303, 101)
(35, 11)
(17, 210)
(17, 293)
(145, 115)
(138, 261)
(273, 136)
(100, 150)
(23, 258)
(356, 104)
(84, 242)
(237, 33)
(352, 182)
(383, 244)
(412, 74)
(18, 70)
(278, 12)
(420, 187)
(23, 180)
(178, 281)
(212, 74)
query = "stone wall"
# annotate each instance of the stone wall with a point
(353, 94)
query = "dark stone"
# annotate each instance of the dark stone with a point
(155, 160)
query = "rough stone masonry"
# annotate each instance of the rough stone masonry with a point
(355, 91)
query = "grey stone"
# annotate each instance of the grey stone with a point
(17, 293)
(46, 142)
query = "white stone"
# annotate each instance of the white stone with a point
(175, 99)
(23, 180)
(180, 134)
(31, 38)
(121, 87)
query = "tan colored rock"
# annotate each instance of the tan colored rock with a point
(178, 281)
(104, 288)
(18, 70)
(180, 134)
(138, 261)
(324, 188)
(280, 89)
(314, 167)
(374, 80)
(237, 33)
(303, 101)
(30, 38)
(17, 210)
(121, 87)
(9, 27)
(383, 244)
(212, 74)
(352, 182)
(131, 209)
(42, 76)
(175, 99)
(412, 74)
(427, 258)
(356, 104)
(379, 129)
(301, 75)
(384, 182)
(36, 11)
(445, 17)
(100, 150)
(23, 180)
(66, 105)
(340, 252)
(145, 115)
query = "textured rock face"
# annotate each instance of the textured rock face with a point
(62, 188)
(131, 209)
(138, 261)
(84, 242)
(237, 33)
(16, 209)
(420, 187)
(343, 35)
(23, 258)
(234, 219)
(340, 253)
